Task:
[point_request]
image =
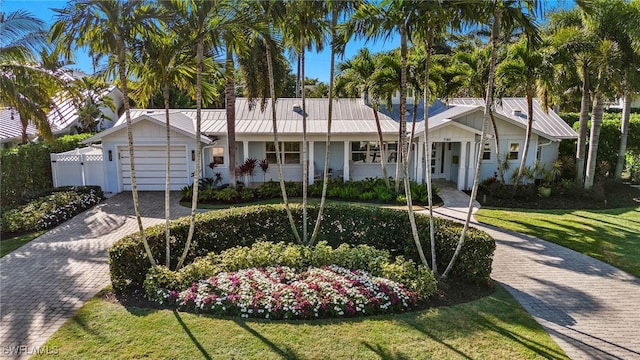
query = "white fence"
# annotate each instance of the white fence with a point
(78, 167)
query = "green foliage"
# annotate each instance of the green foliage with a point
(49, 209)
(380, 228)
(633, 164)
(67, 142)
(26, 169)
(264, 254)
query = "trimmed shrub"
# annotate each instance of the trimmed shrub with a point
(382, 229)
(49, 210)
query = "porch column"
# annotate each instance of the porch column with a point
(245, 155)
(312, 163)
(419, 157)
(462, 170)
(347, 158)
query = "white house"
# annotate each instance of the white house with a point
(354, 148)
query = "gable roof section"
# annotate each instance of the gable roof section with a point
(178, 123)
(548, 124)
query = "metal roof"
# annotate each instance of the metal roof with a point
(349, 116)
(11, 126)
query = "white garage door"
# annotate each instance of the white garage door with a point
(151, 163)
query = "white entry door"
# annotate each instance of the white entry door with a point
(437, 160)
(151, 162)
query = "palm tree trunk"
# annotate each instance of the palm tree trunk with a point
(230, 100)
(624, 133)
(283, 188)
(196, 172)
(582, 129)
(404, 146)
(167, 188)
(496, 143)
(134, 183)
(432, 234)
(527, 138)
(594, 137)
(305, 150)
(383, 160)
(495, 33)
(327, 151)
(413, 128)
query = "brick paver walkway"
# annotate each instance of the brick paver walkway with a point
(591, 309)
(43, 283)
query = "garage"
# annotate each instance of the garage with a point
(150, 164)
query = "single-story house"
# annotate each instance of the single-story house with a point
(354, 148)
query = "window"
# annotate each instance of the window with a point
(514, 149)
(539, 153)
(486, 152)
(289, 152)
(217, 155)
(368, 152)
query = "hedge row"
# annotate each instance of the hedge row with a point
(343, 223)
(26, 169)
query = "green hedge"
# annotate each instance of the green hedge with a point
(343, 223)
(26, 169)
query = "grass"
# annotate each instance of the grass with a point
(612, 236)
(494, 327)
(10, 244)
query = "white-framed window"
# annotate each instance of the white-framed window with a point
(514, 151)
(368, 152)
(289, 152)
(486, 152)
(539, 153)
(217, 155)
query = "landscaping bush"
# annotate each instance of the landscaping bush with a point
(25, 170)
(380, 228)
(49, 210)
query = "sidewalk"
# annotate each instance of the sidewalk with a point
(588, 307)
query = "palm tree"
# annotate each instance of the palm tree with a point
(162, 61)
(503, 16)
(523, 65)
(356, 78)
(336, 9)
(381, 20)
(108, 27)
(304, 29)
(24, 86)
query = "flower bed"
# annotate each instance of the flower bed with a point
(49, 210)
(282, 293)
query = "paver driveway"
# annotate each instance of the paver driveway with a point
(43, 283)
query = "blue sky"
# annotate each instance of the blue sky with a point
(317, 64)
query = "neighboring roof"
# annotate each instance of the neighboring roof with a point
(349, 116)
(178, 122)
(11, 126)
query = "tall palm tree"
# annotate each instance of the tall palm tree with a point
(523, 65)
(304, 29)
(383, 19)
(108, 27)
(205, 23)
(24, 86)
(162, 61)
(356, 78)
(503, 16)
(335, 9)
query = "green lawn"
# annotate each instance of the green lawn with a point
(612, 236)
(10, 244)
(494, 327)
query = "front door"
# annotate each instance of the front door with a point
(437, 163)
